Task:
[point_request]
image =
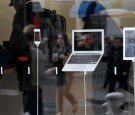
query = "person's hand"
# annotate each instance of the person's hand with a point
(62, 56)
(50, 72)
(55, 57)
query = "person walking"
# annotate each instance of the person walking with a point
(108, 47)
(20, 47)
(31, 93)
(17, 43)
(117, 68)
(60, 52)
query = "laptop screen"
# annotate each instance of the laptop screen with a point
(129, 43)
(87, 40)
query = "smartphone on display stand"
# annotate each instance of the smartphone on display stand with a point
(37, 37)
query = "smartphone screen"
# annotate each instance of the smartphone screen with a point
(37, 36)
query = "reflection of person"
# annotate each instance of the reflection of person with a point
(31, 105)
(116, 62)
(17, 43)
(1, 48)
(63, 87)
(107, 48)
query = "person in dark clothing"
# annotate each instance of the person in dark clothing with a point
(108, 47)
(117, 68)
(18, 44)
(24, 13)
(1, 48)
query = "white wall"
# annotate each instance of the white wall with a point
(6, 17)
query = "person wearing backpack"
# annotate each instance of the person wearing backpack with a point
(20, 48)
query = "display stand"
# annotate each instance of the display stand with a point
(37, 80)
(128, 47)
(1, 70)
(85, 102)
(134, 80)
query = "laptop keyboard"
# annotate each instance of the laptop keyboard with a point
(84, 59)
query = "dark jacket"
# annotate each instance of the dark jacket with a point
(115, 59)
(19, 45)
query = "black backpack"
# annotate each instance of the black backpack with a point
(52, 24)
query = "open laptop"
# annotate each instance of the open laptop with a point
(129, 43)
(87, 50)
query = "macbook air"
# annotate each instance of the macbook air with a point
(87, 50)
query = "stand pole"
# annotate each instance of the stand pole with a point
(37, 82)
(85, 93)
(134, 79)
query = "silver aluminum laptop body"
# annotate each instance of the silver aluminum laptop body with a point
(87, 46)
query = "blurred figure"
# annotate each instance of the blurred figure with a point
(17, 43)
(20, 47)
(31, 94)
(117, 68)
(1, 48)
(108, 47)
(63, 83)
(24, 14)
